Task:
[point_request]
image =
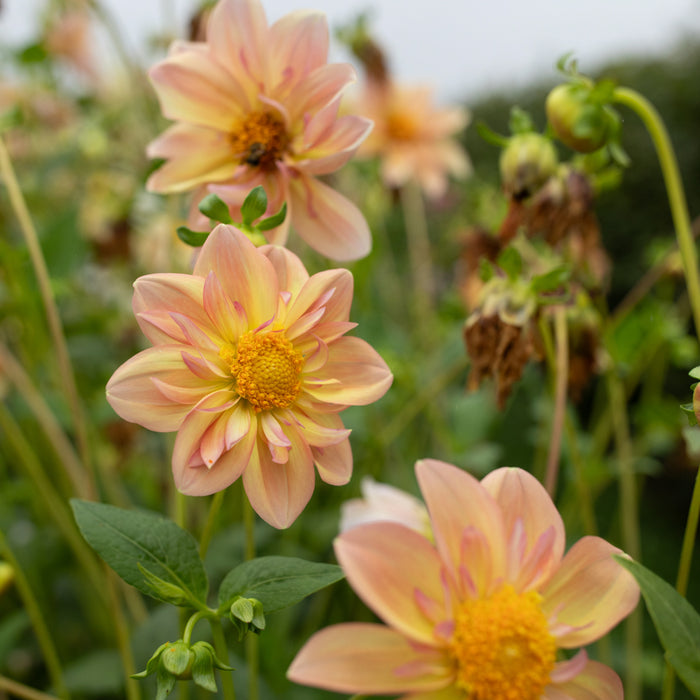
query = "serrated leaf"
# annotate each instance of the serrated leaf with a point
(676, 621)
(254, 205)
(193, 238)
(273, 221)
(126, 539)
(215, 208)
(277, 582)
(511, 262)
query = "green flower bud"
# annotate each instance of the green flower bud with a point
(580, 119)
(527, 162)
(247, 615)
(177, 658)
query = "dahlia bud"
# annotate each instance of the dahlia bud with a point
(579, 117)
(527, 162)
(247, 615)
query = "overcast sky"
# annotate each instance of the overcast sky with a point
(464, 47)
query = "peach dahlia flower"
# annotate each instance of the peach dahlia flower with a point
(479, 614)
(251, 366)
(413, 140)
(258, 105)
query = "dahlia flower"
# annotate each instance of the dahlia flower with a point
(480, 613)
(251, 366)
(258, 105)
(412, 138)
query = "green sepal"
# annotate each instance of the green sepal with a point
(194, 238)
(490, 136)
(695, 373)
(676, 621)
(165, 682)
(254, 205)
(167, 592)
(520, 121)
(273, 221)
(203, 669)
(550, 281)
(152, 664)
(215, 208)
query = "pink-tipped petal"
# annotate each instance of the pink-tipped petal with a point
(456, 501)
(595, 682)
(279, 492)
(333, 287)
(245, 275)
(229, 319)
(386, 563)
(590, 592)
(367, 659)
(361, 374)
(321, 87)
(291, 273)
(193, 87)
(521, 497)
(195, 155)
(327, 221)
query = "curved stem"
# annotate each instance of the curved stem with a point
(194, 619)
(67, 375)
(222, 652)
(48, 648)
(674, 187)
(561, 339)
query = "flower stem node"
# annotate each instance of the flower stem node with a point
(180, 661)
(527, 162)
(247, 615)
(579, 117)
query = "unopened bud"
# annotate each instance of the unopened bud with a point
(527, 162)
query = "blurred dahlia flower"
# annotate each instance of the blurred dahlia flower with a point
(382, 502)
(411, 137)
(251, 366)
(258, 105)
(480, 613)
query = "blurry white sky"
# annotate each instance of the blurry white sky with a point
(464, 47)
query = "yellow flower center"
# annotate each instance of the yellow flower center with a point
(260, 139)
(400, 126)
(267, 370)
(502, 647)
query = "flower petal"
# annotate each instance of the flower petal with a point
(595, 682)
(457, 501)
(327, 221)
(367, 659)
(331, 289)
(387, 564)
(360, 373)
(244, 274)
(334, 462)
(320, 88)
(227, 317)
(590, 592)
(193, 87)
(279, 492)
(195, 155)
(522, 498)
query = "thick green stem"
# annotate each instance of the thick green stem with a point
(629, 508)
(674, 187)
(194, 619)
(208, 531)
(48, 648)
(222, 652)
(67, 376)
(251, 640)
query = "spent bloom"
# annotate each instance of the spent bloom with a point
(479, 613)
(250, 365)
(258, 105)
(412, 138)
(384, 502)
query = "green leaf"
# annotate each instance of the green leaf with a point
(677, 623)
(254, 205)
(193, 238)
(273, 221)
(215, 208)
(550, 281)
(695, 373)
(490, 136)
(130, 541)
(510, 262)
(486, 270)
(162, 590)
(277, 582)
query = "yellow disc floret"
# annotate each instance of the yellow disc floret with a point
(260, 139)
(502, 647)
(267, 369)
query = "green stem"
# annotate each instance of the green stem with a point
(67, 375)
(561, 369)
(222, 652)
(629, 509)
(23, 691)
(251, 640)
(194, 619)
(208, 531)
(41, 630)
(691, 529)
(674, 187)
